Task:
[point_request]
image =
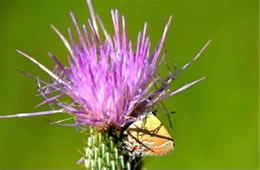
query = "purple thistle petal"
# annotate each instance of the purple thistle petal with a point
(66, 43)
(158, 99)
(51, 112)
(50, 100)
(195, 58)
(41, 66)
(59, 64)
(92, 13)
(108, 82)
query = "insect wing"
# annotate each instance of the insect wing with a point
(148, 137)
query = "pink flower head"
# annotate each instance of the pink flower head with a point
(108, 81)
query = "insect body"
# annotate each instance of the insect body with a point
(148, 136)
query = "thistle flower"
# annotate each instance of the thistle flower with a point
(109, 82)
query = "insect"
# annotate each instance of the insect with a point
(147, 137)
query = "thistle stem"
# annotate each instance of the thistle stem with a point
(104, 150)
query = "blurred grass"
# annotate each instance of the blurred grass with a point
(216, 124)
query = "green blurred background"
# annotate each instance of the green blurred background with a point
(216, 124)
